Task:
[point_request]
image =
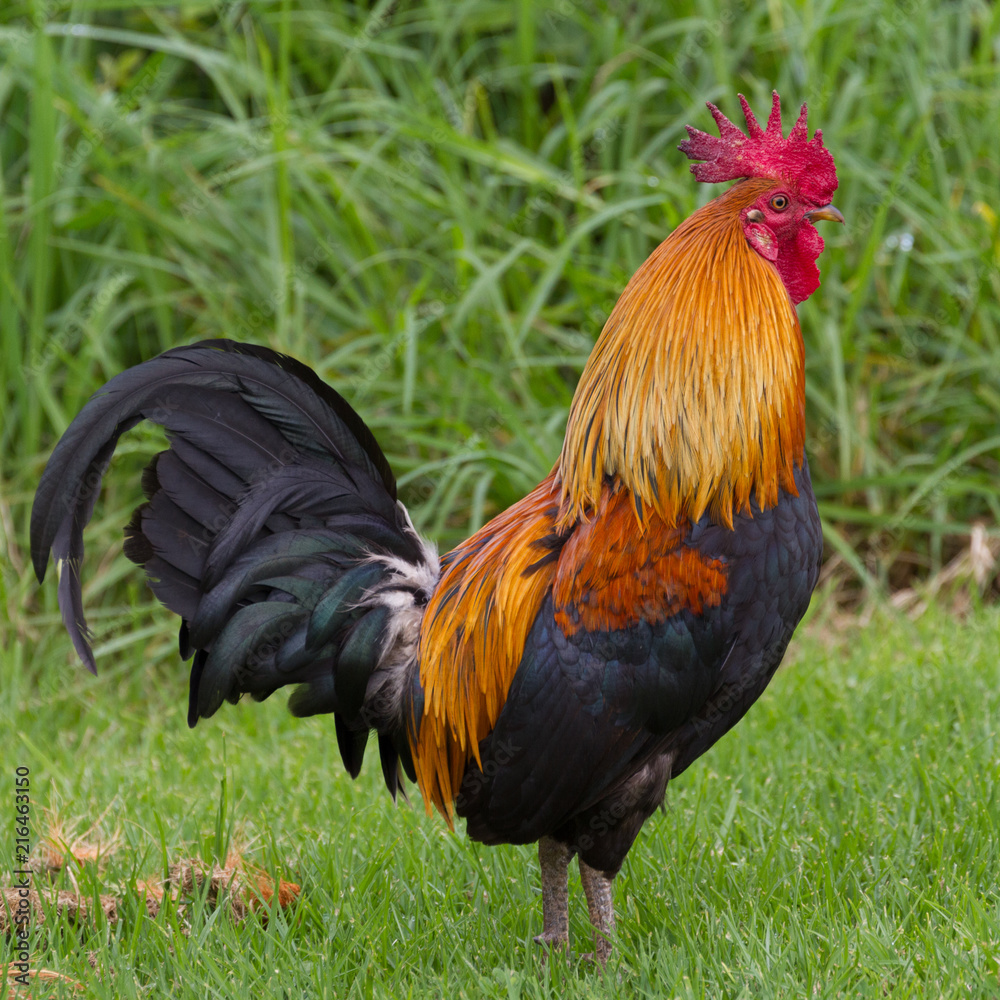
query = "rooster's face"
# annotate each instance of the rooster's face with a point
(779, 226)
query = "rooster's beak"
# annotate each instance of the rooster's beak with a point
(827, 213)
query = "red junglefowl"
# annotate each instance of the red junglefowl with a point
(548, 677)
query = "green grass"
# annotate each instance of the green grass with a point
(842, 841)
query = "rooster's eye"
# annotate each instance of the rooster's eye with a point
(779, 203)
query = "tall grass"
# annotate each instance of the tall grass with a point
(436, 204)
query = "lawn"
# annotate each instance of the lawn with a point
(841, 841)
(435, 204)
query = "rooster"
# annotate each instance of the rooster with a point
(545, 679)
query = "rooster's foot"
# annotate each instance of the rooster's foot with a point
(554, 858)
(552, 942)
(597, 886)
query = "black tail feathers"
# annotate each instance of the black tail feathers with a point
(270, 526)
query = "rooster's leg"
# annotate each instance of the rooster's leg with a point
(554, 859)
(601, 905)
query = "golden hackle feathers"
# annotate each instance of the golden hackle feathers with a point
(694, 394)
(473, 636)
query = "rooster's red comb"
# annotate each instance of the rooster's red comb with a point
(765, 152)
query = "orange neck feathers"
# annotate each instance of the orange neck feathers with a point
(694, 395)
